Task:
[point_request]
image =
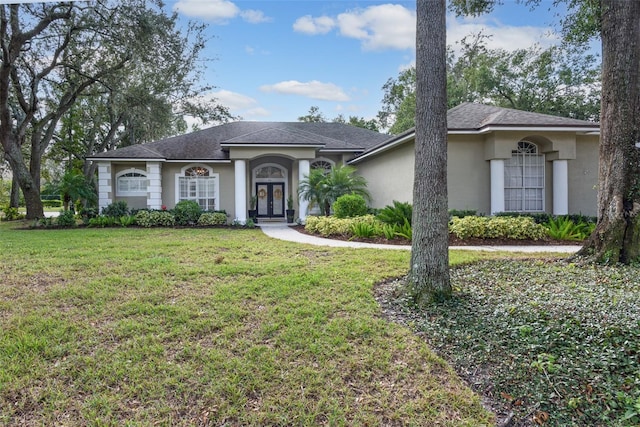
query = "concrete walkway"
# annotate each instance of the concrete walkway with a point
(283, 232)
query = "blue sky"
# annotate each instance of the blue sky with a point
(275, 59)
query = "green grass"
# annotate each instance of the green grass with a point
(207, 326)
(542, 338)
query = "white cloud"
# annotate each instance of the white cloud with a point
(387, 26)
(254, 16)
(310, 25)
(313, 89)
(234, 100)
(393, 26)
(504, 36)
(218, 11)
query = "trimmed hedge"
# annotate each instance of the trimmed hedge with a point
(212, 218)
(52, 203)
(332, 226)
(519, 228)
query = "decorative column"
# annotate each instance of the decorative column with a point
(560, 187)
(240, 170)
(154, 186)
(497, 185)
(105, 190)
(303, 173)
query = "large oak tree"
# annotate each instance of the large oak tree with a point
(53, 54)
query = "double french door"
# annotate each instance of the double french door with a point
(270, 199)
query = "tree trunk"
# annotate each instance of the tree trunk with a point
(429, 270)
(14, 200)
(21, 174)
(617, 234)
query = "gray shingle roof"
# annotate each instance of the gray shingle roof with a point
(470, 116)
(208, 144)
(476, 117)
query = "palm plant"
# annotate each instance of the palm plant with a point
(74, 186)
(342, 180)
(313, 189)
(323, 189)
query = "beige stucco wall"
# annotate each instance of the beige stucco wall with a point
(252, 153)
(468, 174)
(226, 184)
(390, 174)
(583, 176)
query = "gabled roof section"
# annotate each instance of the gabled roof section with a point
(210, 144)
(275, 136)
(479, 118)
(471, 116)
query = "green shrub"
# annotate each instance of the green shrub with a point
(364, 230)
(101, 221)
(163, 219)
(405, 230)
(11, 214)
(148, 219)
(212, 218)
(46, 222)
(470, 226)
(332, 226)
(388, 231)
(53, 203)
(187, 212)
(127, 220)
(520, 228)
(66, 219)
(143, 219)
(461, 213)
(116, 209)
(396, 214)
(563, 228)
(349, 206)
(538, 217)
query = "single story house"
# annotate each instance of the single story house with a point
(499, 160)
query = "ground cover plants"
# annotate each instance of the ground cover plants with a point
(551, 342)
(186, 326)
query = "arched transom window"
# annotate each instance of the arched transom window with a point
(270, 172)
(524, 179)
(131, 182)
(200, 184)
(323, 164)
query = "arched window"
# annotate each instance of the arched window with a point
(131, 182)
(323, 164)
(200, 184)
(270, 172)
(524, 179)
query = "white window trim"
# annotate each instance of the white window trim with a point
(216, 185)
(121, 193)
(544, 183)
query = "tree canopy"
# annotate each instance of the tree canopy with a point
(316, 116)
(559, 80)
(104, 58)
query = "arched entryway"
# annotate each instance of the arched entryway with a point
(270, 187)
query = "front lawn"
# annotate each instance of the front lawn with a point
(210, 327)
